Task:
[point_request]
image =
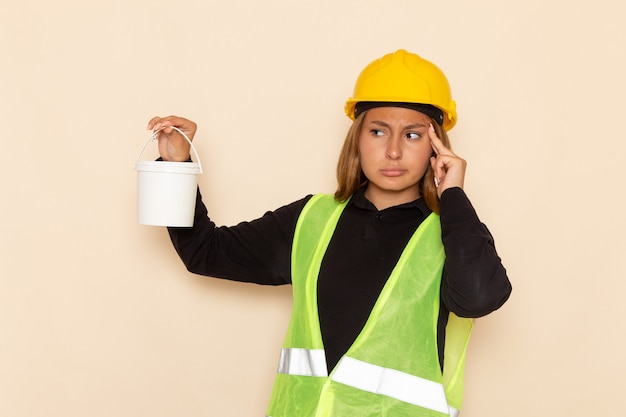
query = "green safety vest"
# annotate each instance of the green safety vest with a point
(392, 369)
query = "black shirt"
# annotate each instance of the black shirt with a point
(365, 247)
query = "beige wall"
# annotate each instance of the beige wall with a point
(98, 317)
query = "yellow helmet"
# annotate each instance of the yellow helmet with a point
(403, 77)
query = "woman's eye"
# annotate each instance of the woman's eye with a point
(413, 135)
(376, 132)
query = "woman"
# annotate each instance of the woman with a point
(386, 274)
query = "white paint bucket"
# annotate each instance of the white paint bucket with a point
(166, 191)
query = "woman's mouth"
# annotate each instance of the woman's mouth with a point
(392, 172)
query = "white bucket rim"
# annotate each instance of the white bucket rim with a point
(169, 167)
(195, 166)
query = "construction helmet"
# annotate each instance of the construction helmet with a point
(403, 77)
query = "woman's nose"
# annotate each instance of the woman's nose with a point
(394, 150)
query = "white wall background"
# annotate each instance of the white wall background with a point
(98, 317)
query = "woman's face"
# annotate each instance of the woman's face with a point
(395, 153)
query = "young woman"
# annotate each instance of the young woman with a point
(386, 274)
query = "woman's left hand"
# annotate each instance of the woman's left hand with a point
(448, 168)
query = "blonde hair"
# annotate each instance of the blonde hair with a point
(350, 176)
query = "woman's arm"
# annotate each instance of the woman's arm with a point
(258, 251)
(474, 282)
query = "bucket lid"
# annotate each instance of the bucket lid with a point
(168, 167)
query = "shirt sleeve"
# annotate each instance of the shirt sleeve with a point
(475, 282)
(258, 251)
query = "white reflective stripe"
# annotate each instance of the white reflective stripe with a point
(399, 385)
(453, 412)
(306, 362)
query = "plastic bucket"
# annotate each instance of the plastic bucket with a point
(166, 191)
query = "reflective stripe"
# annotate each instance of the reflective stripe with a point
(306, 362)
(453, 411)
(399, 385)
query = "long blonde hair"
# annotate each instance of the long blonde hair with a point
(350, 176)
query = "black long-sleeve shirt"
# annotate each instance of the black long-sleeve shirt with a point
(364, 249)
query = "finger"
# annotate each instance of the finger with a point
(173, 129)
(157, 123)
(167, 127)
(437, 144)
(438, 167)
(432, 136)
(153, 122)
(436, 175)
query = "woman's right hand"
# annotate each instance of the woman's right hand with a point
(172, 145)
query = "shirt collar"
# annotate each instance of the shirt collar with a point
(360, 201)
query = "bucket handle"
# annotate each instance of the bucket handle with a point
(153, 137)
